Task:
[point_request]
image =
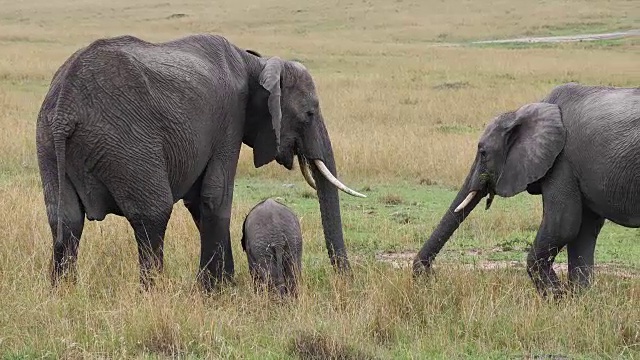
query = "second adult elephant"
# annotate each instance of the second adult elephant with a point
(580, 149)
(130, 127)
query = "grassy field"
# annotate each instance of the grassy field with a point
(404, 110)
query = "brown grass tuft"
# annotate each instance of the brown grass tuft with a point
(164, 339)
(312, 346)
(392, 199)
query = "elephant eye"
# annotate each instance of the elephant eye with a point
(310, 115)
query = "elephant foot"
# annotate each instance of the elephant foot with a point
(342, 266)
(147, 282)
(63, 271)
(576, 289)
(151, 268)
(555, 293)
(421, 268)
(549, 286)
(210, 283)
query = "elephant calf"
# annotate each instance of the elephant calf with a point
(272, 239)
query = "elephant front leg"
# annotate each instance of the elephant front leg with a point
(561, 220)
(540, 266)
(216, 258)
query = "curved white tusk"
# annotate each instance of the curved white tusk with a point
(306, 172)
(466, 201)
(332, 179)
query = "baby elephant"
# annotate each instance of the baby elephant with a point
(272, 239)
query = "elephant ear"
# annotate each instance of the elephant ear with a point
(270, 80)
(535, 137)
(267, 139)
(253, 52)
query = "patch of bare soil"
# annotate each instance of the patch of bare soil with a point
(404, 260)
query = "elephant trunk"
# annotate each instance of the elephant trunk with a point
(468, 197)
(331, 218)
(318, 147)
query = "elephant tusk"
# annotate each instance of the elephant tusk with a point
(332, 179)
(466, 201)
(306, 172)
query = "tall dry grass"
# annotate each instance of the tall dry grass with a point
(396, 124)
(398, 109)
(382, 313)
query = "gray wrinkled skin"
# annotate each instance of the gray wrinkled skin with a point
(580, 149)
(272, 240)
(130, 127)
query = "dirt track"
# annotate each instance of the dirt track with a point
(548, 39)
(403, 260)
(567, 38)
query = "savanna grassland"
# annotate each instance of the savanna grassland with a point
(404, 108)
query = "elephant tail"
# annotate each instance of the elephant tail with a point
(62, 126)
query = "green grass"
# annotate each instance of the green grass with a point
(406, 213)
(467, 309)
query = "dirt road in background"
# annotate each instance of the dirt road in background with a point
(566, 38)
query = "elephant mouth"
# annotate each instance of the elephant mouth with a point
(285, 155)
(489, 189)
(474, 194)
(486, 187)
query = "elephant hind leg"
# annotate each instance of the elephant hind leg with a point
(262, 271)
(148, 207)
(192, 202)
(291, 274)
(292, 263)
(149, 229)
(581, 250)
(65, 250)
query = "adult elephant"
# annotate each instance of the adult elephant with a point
(580, 149)
(130, 127)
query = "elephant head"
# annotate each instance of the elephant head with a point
(515, 151)
(284, 120)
